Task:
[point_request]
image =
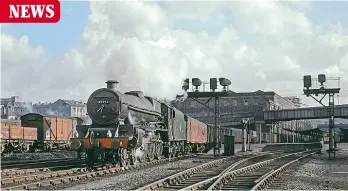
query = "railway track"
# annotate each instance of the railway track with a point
(205, 171)
(25, 164)
(273, 181)
(42, 179)
(257, 176)
(222, 175)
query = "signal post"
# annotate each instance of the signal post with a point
(196, 82)
(322, 89)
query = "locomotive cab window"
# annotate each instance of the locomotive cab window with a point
(173, 113)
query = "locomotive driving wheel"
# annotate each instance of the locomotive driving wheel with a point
(159, 151)
(133, 158)
(172, 154)
(141, 157)
(151, 152)
(123, 155)
(115, 157)
(90, 158)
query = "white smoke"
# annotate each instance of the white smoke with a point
(139, 153)
(130, 118)
(55, 112)
(28, 107)
(181, 98)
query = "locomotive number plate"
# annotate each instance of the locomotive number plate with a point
(103, 102)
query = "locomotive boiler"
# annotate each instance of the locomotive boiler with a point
(125, 128)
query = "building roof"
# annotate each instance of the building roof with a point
(256, 93)
(309, 131)
(321, 126)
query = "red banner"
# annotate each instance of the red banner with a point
(29, 11)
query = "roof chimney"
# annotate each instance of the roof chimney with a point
(111, 84)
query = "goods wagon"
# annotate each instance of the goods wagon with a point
(197, 134)
(210, 136)
(14, 137)
(52, 131)
(238, 135)
(9, 132)
(196, 131)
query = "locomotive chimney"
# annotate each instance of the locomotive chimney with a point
(111, 84)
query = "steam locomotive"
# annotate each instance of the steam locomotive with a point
(129, 128)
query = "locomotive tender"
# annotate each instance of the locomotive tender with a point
(130, 127)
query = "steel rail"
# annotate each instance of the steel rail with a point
(268, 179)
(8, 162)
(179, 177)
(203, 183)
(35, 164)
(76, 174)
(220, 181)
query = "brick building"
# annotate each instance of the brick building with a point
(13, 108)
(70, 108)
(242, 105)
(62, 107)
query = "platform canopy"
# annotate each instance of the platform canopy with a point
(311, 131)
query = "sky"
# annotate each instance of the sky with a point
(153, 46)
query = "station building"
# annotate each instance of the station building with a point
(237, 106)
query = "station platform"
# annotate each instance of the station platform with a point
(238, 148)
(287, 147)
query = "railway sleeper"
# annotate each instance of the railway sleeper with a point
(12, 172)
(80, 177)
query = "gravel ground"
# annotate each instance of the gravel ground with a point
(135, 179)
(38, 156)
(320, 173)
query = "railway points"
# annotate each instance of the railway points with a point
(248, 177)
(196, 174)
(208, 175)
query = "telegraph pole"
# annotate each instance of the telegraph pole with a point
(195, 94)
(323, 90)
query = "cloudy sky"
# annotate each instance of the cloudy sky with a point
(152, 46)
